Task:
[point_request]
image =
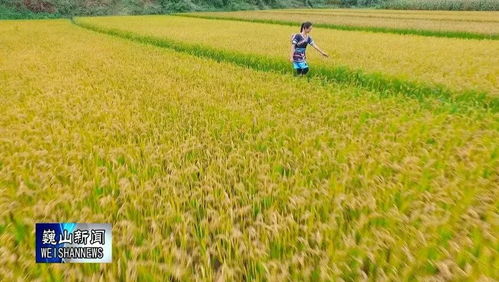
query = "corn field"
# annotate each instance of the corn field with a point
(215, 164)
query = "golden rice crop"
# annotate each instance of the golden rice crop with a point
(480, 16)
(211, 171)
(474, 22)
(456, 63)
(487, 5)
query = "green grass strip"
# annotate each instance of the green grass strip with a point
(458, 101)
(420, 32)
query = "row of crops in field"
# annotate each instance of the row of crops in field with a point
(477, 25)
(213, 162)
(454, 63)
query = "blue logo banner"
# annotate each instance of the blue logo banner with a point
(73, 242)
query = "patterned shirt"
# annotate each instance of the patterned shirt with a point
(300, 44)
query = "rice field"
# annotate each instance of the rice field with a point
(478, 16)
(454, 5)
(454, 63)
(212, 169)
(442, 23)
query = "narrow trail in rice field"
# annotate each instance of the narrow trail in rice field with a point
(430, 95)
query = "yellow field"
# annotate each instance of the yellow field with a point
(473, 16)
(210, 171)
(456, 63)
(475, 22)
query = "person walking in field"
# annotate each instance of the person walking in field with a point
(299, 43)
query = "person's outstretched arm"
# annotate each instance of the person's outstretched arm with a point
(319, 49)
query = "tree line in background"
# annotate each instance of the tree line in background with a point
(64, 8)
